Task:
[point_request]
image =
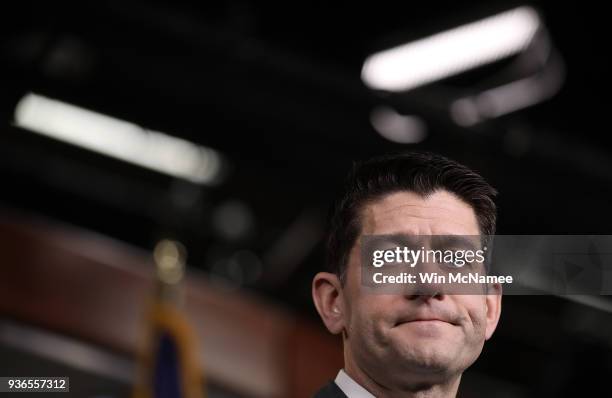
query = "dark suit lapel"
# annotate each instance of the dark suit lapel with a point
(331, 390)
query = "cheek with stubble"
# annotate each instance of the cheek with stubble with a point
(368, 328)
(474, 327)
(475, 315)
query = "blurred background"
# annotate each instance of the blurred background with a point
(229, 126)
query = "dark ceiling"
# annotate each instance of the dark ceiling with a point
(276, 89)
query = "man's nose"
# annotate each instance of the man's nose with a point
(429, 283)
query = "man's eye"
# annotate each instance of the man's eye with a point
(458, 266)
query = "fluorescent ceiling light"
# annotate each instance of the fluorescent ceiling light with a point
(509, 97)
(119, 139)
(451, 52)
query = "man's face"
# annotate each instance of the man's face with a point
(429, 337)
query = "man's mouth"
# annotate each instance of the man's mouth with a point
(424, 320)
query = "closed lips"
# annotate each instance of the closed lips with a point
(425, 319)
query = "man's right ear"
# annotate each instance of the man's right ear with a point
(327, 297)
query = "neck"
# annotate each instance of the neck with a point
(411, 387)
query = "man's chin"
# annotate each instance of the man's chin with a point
(428, 346)
(428, 361)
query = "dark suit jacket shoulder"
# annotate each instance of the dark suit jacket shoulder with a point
(331, 390)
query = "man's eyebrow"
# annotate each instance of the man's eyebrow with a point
(398, 239)
(458, 241)
(401, 239)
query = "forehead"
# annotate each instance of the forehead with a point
(440, 213)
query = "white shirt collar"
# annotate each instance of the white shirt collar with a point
(350, 387)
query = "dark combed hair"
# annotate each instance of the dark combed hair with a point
(420, 172)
